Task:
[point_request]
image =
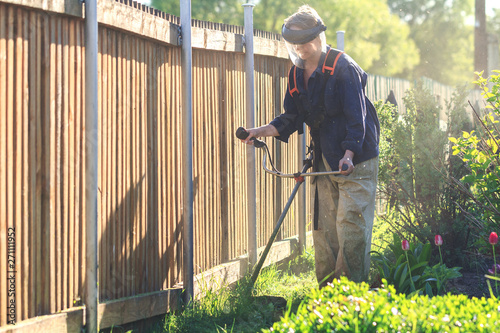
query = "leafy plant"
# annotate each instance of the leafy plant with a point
(415, 166)
(409, 271)
(345, 306)
(441, 274)
(479, 151)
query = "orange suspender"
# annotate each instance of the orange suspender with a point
(331, 69)
(293, 88)
(292, 77)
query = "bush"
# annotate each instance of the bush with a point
(415, 169)
(479, 151)
(345, 306)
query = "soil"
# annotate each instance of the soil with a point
(279, 304)
(471, 284)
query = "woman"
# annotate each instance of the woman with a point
(326, 90)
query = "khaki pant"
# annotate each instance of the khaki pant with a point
(344, 209)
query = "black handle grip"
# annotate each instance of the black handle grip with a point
(242, 134)
(345, 167)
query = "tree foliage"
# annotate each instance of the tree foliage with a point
(218, 11)
(376, 39)
(443, 37)
(400, 38)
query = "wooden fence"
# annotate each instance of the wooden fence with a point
(42, 176)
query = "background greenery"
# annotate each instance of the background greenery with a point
(397, 38)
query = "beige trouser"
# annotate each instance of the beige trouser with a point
(343, 222)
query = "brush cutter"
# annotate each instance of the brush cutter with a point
(242, 134)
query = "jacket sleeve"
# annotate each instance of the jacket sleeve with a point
(351, 89)
(288, 122)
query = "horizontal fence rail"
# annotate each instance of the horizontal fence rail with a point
(42, 139)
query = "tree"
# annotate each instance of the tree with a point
(440, 31)
(375, 38)
(218, 11)
(493, 26)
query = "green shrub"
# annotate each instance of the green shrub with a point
(417, 276)
(479, 150)
(416, 166)
(345, 306)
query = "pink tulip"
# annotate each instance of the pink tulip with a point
(438, 240)
(494, 270)
(493, 238)
(405, 245)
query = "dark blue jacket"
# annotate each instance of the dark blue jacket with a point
(351, 120)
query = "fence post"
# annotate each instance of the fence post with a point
(340, 40)
(187, 147)
(250, 122)
(91, 141)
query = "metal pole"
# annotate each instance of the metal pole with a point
(250, 122)
(91, 141)
(187, 149)
(277, 227)
(302, 199)
(340, 40)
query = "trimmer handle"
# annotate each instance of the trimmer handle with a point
(242, 134)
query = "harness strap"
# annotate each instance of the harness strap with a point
(292, 81)
(328, 67)
(331, 61)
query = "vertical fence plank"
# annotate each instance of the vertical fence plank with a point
(57, 227)
(127, 222)
(71, 159)
(24, 255)
(178, 174)
(170, 164)
(10, 137)
(65, 203)
(198, 231)
(19, 194)
(119, 278)
(78, 234)
(107, 156)
(3, 160)
(112, 241)
(36, 161)
(159, 66)
(152, 80)
(135, 166)
(101, 206)
(144, 167)
(34, 106)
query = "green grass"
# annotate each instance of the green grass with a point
(242, 309)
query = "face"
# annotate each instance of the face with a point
(307, 51)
